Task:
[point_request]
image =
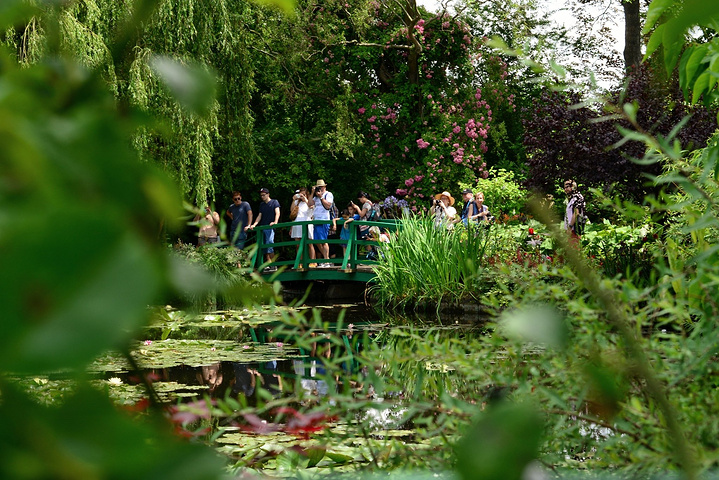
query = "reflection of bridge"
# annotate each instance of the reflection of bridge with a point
(353, 266)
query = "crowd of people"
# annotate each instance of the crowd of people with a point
(318, 203)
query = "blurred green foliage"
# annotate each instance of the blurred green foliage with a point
(81, 257)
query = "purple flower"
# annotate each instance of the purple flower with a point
(422, 144)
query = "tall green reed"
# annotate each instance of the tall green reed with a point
(424, 264)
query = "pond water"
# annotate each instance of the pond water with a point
(240, 378)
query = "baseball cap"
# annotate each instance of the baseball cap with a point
(264, 190)
(466, 190)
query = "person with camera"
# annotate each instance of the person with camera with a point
(443, 211)
(305, 211)
(323, 203)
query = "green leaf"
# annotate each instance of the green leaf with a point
(654, 41)
(338, 457)
(536, 323)
(193, 86)
(498, 43)
(673, 41)
(695, 57)
(630, 109)
(314, 455)
(654, 12)
(700, 86)
(14, 12)
(500, 444)
(92, 299)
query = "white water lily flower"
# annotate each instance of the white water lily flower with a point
(115, 381)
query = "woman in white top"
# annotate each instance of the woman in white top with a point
(443, 211)
(305, 212)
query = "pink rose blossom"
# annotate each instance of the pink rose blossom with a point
(422, 144)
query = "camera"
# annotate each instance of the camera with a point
(437, 202)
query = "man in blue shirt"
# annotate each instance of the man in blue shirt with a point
(241, 215)
(269, 215)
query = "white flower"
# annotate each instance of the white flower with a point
(115, 381)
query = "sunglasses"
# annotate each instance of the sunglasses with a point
(237, 198)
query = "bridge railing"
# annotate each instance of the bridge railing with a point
(300, 260)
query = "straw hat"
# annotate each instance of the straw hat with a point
(445, 194)
(321, 183)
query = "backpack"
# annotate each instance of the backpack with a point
(374, 213)
(334, 212)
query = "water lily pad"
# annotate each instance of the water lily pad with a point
(194, 353)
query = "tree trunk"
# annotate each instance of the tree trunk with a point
(411, 17)
(632, 35)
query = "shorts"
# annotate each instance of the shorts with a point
(268, 236)
(205, 240)
(321, 231)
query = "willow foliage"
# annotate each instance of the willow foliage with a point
(192, 32)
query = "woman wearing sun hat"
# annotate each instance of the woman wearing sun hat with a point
(443, 210)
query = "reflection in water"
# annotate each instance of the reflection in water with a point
(211, 375)
(312, 385)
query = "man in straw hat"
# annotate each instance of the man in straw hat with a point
(323, 204)
(443, 210)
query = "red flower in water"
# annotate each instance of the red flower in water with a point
(302, 424)
(531, 231)
(299, 423)
(139, 406)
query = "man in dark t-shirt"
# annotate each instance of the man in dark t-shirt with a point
(269, 215)
(241, 215)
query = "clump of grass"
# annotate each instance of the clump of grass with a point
(424, 264)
